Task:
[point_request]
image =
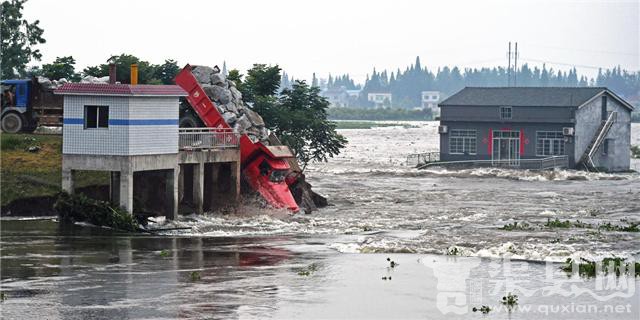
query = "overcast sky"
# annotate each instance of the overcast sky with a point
(342, 36)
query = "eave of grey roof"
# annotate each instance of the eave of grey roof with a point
(456, 100)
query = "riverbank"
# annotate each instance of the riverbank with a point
(31, 174)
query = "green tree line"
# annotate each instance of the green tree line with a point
(406, 86)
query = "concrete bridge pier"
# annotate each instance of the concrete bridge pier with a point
(198, 187)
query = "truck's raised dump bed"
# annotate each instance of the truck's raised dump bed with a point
(264, 167)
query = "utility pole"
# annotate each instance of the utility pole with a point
(515, 67)
(509, 66)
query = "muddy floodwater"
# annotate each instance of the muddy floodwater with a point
(444, 230)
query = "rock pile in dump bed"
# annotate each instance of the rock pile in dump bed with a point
(54, 84)
(228, 100)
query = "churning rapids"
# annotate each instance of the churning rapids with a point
(382, 205)
(261, 264)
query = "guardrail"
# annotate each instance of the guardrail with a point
(207, 138)
(534, 164)
(554, 162)
(417, 159)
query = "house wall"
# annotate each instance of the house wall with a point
(104, 141)
(158, 132)
(483, 137)
(588, 120)
(137, 126)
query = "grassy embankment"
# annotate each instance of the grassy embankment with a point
(32, 178)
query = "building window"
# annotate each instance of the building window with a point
(96, 117)
(505, 112)
(608, 146)
(549, 143)
(462, 141)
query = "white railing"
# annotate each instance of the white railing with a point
(613, 116)
(417, 159)
(207, 138)
(534, 163)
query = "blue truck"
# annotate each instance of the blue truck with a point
(27, 104)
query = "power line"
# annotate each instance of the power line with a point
(587, 50)
(564, 63)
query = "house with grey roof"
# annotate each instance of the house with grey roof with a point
(514, 126)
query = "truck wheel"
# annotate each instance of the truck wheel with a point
(188, 120)
(12, 122)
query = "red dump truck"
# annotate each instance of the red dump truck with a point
(264, 167)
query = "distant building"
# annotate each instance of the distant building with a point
(337, 97)
(430, 101)
(380, 100)
(354, 94)
(506, 126)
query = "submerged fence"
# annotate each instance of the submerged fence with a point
(418, 159)
(207, 138)
(534, 164)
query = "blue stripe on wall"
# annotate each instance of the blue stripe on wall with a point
(143, 122)
(72, 121)
(128, 122)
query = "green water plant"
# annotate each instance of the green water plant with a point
(3, 296)
(483, 309)
(309, 270)
(630, 227)
(557, 223)
(80, 208)
(524, 226)
(510, 301)
(588, 268)
(453, 251)
(164, 253)
(195, 276)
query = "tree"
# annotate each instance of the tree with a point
(19, 38)
(261, 80)
(146, 71)
(167, 71)
(62, 67)
(301, 123)
(297, 116)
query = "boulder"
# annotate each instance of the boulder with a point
(217, 94)
(218, 79)
(229, 117)
(231, 107)
(202, 74)
(235, 93)
(220, 109)
(244, 123)
(264, 133)
(254, 117)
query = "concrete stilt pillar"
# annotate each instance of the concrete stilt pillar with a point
(114, 187)
(180, 183)
(126, 190)
(172, 192)
(235, 181)
(68, 180)
(198, 187)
